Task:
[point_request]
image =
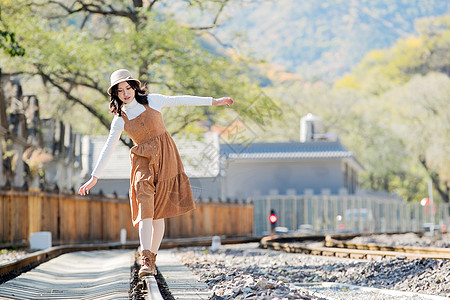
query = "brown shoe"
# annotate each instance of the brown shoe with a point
(148, 263)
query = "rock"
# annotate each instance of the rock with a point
(261, 283)
(268, 286)
(216, 297)
(283, 279)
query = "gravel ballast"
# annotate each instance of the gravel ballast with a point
(247, 272)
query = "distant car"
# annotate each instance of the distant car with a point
(281, 230)
(431, 229)
(352, 218)
(305, 228)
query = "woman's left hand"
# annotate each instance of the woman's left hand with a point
(223, 101)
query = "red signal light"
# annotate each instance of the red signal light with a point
(273, 218)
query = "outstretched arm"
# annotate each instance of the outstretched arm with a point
(158, 101)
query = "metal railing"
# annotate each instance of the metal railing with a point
(345, 213)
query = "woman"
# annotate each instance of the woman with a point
(159, 188)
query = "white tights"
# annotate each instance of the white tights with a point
(151, 233)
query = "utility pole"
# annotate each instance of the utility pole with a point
(432, 211)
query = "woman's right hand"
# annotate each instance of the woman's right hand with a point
(84, 189)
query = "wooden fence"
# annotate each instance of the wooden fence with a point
(94, 218)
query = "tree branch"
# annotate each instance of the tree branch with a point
(70, 97)
(152, 3)
(216, 18)
(170, 87)
(185, 124)
(93, 85)
(219, 41)
(92, 8)
(85, 19)
(435, 179)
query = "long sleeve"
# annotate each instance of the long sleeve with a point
(117, 126)
(158, 101)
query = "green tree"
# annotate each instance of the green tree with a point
(422, 119)
(392, 111)
(8, 40)
(408, 86)
(73, 46)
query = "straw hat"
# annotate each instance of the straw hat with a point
(119, 76)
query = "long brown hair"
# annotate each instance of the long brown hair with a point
(115, 106)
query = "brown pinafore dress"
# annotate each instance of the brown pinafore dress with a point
(159, 188)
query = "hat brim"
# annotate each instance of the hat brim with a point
(122, 80)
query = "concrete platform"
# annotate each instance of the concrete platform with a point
(103, 274)
(182, 283)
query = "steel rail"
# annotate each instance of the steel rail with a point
(333, 242)
(331, 245)
(374, 293)
(16, 267)
(153, 292)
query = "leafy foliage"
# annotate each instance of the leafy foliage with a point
(393, 110)
(73, 46)
(8, 41)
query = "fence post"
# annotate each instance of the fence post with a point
(35, 210)
(335, 211)
(316, 219)
(388, 215)
(266, 222)
(292, 192)
(307, 199)
(325, 193)
(359, 207)
(352, 209)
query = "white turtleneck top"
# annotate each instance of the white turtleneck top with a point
(134, 109)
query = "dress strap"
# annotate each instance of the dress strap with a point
(124, 116)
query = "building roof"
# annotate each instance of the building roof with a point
(286, 150)
(319, 149)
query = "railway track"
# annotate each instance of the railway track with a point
(325, 245)
(10, 270)
(339, 246)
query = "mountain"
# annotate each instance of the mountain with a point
(322, 39)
